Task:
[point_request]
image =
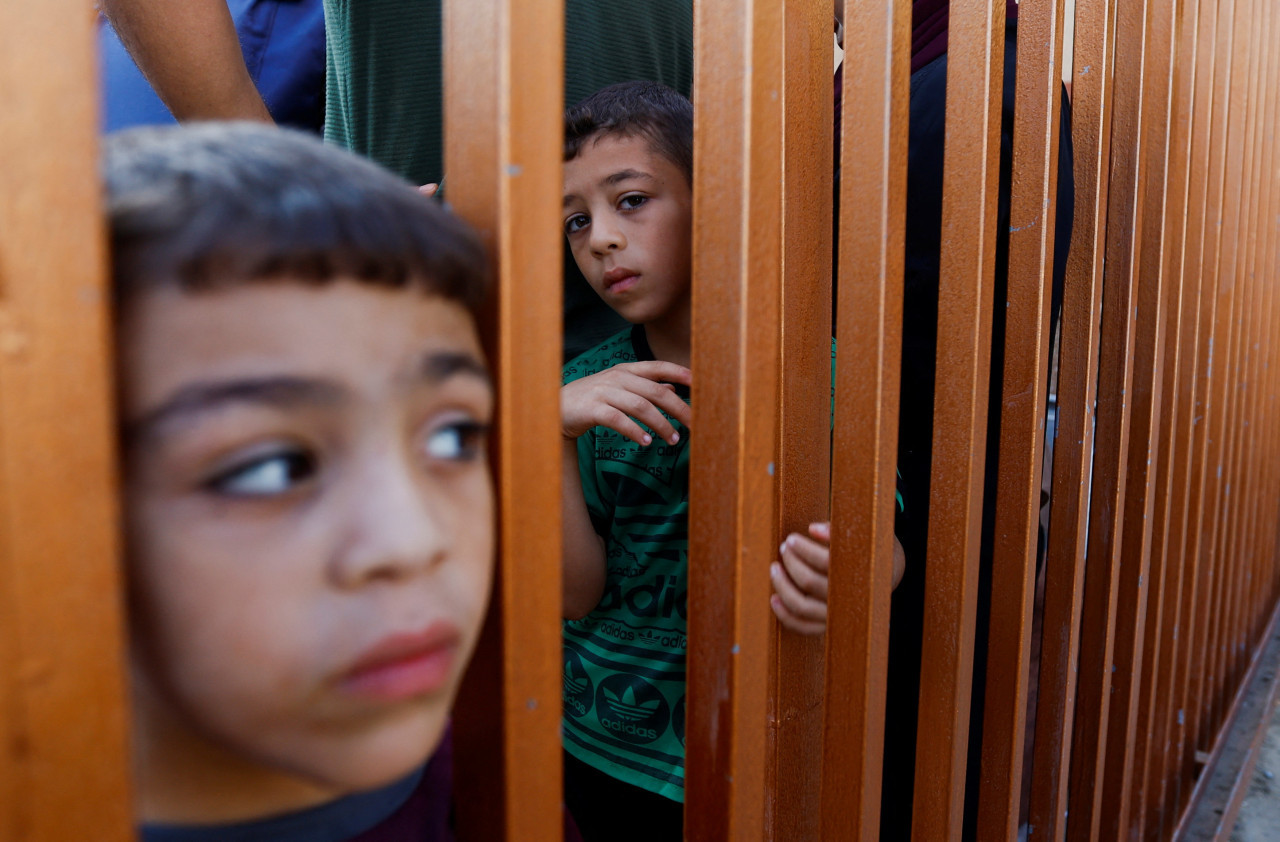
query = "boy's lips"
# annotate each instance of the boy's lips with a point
(620, 279)
(404, 664)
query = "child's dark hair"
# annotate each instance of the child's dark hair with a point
(221, 204)
(647, 109)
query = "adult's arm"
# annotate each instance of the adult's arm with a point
(190, 53)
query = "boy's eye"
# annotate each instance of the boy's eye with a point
(266, 476)
(462, 441)
(576, 223)
(631, 201)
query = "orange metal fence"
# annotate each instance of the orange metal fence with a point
(1160, 580)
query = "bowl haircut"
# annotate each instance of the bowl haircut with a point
(217, 205)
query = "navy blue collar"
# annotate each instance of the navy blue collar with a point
(335, 821)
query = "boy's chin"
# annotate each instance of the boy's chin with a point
(379, 759)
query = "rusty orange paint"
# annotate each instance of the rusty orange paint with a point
(63, 714)
(869, 330)
(1032, 221)
(975, 69)
(737, 255)
(503, 102)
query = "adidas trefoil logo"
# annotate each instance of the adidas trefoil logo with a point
(573, 685)
(627, 707)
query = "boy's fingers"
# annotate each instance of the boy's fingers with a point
(821, 532)
(799, 604)
(810, 582)
(660, 371)
(616, 419)
(624, 397)
(817, 556)
(659, 391)
(643, 410)
(665, 398)
(792, 622)
(657, 395)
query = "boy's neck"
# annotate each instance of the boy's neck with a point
(668, 336)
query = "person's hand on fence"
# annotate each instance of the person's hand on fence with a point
(799, 577)
(623, 395)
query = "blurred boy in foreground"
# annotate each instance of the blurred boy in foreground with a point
(303, 409)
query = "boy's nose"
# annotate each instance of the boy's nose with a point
(394, 529)
(606, 237)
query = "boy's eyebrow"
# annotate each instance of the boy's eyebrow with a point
(626, 175)
(612, 179)
(199, 398)
(439, 366)
(285, 392)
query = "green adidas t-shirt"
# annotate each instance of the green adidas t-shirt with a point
(624, 663)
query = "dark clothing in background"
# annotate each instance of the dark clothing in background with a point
(930, 21)
(607, 810)
(385, 79)
(919, 351)
(283, 46)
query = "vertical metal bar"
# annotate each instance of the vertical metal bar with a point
(1115, 376)
(803, 461)
(1238, 470)
(869, 325)
(1272, 457)
(1253, 608)
(1073, 448)
(1026, 373)
(63, 707)
(1232, 643)
(1269, 511)
(1238, 191)
(1226, 219)
(1229, 485)
(1169, 510)
(1272, 535)
(503, 100)
(975, 70)
(1264, 504)
(1236, 194)
(1202, 512)
(1270, 221)
(1193, 388)
(1150, 315)
(737, 252)
(1253, 605)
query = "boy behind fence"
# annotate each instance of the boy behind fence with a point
(303, 408)
(628, 218)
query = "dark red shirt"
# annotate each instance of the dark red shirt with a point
(929, 29)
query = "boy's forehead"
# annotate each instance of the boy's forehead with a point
(342, 329)
(616, 145)
(610, 157)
